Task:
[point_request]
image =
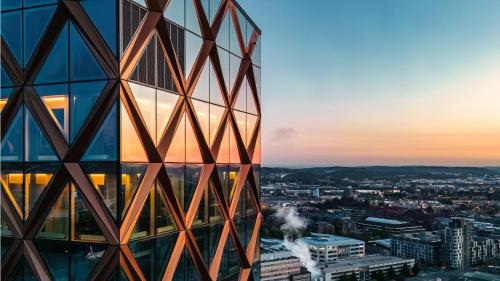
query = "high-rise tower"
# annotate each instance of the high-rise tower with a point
(130, 140)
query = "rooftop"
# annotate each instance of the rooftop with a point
(329, 240)
(385, 221)
(427, 236)
(479, 276)
(366, 261)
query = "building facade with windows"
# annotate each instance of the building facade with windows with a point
(423, 246)
(130, 140)
(326, 248)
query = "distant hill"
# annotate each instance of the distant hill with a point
(312, 175)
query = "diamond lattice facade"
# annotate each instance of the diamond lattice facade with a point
(130, 142)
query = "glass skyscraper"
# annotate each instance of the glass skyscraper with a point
(130, 140)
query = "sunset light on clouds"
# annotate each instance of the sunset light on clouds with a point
(380, 82)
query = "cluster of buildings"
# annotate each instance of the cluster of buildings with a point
(457, 245)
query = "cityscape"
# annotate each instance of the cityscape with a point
(250, 140)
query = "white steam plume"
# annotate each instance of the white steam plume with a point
(293, 225)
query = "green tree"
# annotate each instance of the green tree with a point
(405, 270)
(416, 268)
(391, 273)
(353, 277)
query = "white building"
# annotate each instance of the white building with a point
(328, 248)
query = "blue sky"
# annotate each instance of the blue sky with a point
(361, 82)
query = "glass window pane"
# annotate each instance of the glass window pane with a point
(82, 99)
(234, 67)
(164, 221)
(131, 177)
(202, 113)
(55, 67)
(55, 98)
(83, 64)
(36, 145)
(104, 178)
(251, 122)
(104, 145)
(13, 181)
(145, 97)
(202, 88)
(12, 141)
(5, 78)
(256, 55)
(36, 178)
(175, 12)
(193, 46)
(216, 114)
(241, 122)
(192, 18)
(81, 265)
(223, 156)
(165, 105)
(177, 149)
(56, 225)
(131, 149)
(224, 63)
(35, 23)
(193, 154)
(214, 206)
(29, 3)
(241, 100)
(176, 174)
(10, 4)
(234, 153)
(223, 171)
(214, 7)
(215, 92)
(192, 176)
(103, 15)
(234, 43)
(84, 225)
(12, 31)
(256, 71)
(144, 226)
(222, 39)
(256, 155)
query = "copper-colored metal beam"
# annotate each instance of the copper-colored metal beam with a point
(11, 258)
(239, 140)
(219, 252)
(206, 31)
(240, 183)
(237, 28)
(169, 195)
(108, 263)
(206, 153)
(173, 123)
(233, 233)
(206, 172)
(176, 254)
(252, 244)
(10, 64)
(11, 214)
(157, 5)
(198, 65)
(196, 255)
(97, 208)
(35, 261)
(129, 265)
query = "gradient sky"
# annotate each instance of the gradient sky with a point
(390, 82)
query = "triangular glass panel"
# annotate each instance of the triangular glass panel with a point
(164, 221)
(222, 39)
(202, 211)
(12, 33)
(202, 88)
(84, 257)
(165, 105)
(223, 171)
(193, 47)
(12, 141)
(234, 42)
(177, 175)
(214, 7)
(193, 154)
(56, 225)
(55, 254)
(5, 78)
(240, 223)
(223, 156)
(83, 97)
(225, 66)
(249, 31)
(4, 232)
(103, 15)
(13, 183)
(230, 261)
(35, 25)
(192, 22)
(214, 207)
(4, 96)
(251, 123)
(216, 114)
(144, 71)
(202, 114)
(241, 99)
(193, 172)
(83, 64)
(23, 271)
(243, 27)
(144, 255)
(256, 154)
(36, 178)
(251, 102)
(175, 12)
(241, 123)
(104, 145)
(234, 154)
(233, 178)
(164, 246)
(144, 226)
(56, 99)
(202, 237)
(55, 67)
(256, 55)
(249, 225)
(234, 67)
(185, 268)
(104, 179)
(145, 97)
(131, 177)
(131, 148)
(177, 149)
(216, 96)
(37, 147)
(256, 72)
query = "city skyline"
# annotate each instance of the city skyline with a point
(386, 82)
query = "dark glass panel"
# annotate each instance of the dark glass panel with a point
(234, 155)
(214, 208)
(56, 225)
(177, 149)
(104, 177)
(250, 207)
(55, 97)
(84, 257)
(55, 67)
(233, 177)
(256, 172)
(186, 269)
(12, 141)
(203, 212)
(201, 234)
(202, 89)
(164, 220)
(10, 4)
(103, 15)
(144, 254)
(55, 254)
(177, 174)
(229, 262)
(223, 171)
(84, 226)
(82, 99)
(31, 3)
(240, 226)
(35, 22)
(144, 71)
(250, 225)
(175, 12)
(214, 234)
(36, 145)
(144, 226)
(83, 65)
(36, 178)
(104, 145)
(6, 82)
(164, 247)
(222, 39)
(4, 96)
(131, 177)
(131, 148)
(132, 15)
(23, 271)
(13, 181)
(4, 232)
(192, 176)
(12, 31)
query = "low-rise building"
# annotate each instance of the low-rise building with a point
(328, 248)
(363, 267)
(279, 266)
(389, 226)
(423, 246)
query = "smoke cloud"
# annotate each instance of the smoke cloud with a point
(292, 226)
